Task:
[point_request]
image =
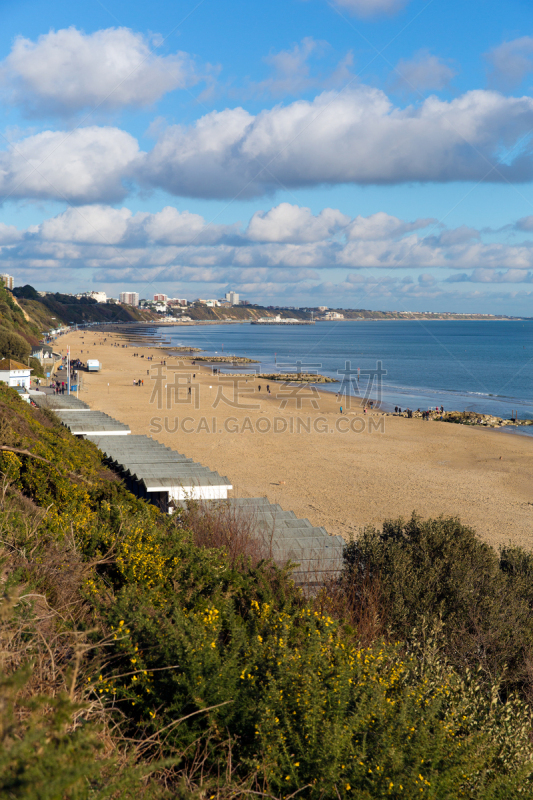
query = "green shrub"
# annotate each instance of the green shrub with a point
(14, 346)
(439, 569)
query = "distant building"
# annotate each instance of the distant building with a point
(160, 298)
(176, 301)
(14, 373)
(8, 281)
(100, 297)
(333, 315)
(129, 298)
(232, 298)
(322, 308)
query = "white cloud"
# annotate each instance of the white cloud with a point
(86, 225)
(104, 225)
(525, 224)
(9, 234)
(288, 223)
(492, 276)
(294, 71)
(511, 62)
(172, 227)
(356, 136)
(286, 240)
(372, 8)
(81, 166)
(460, 235)
(67, 70)
(383, 226)
(422, 73)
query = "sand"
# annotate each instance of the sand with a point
(382, 467)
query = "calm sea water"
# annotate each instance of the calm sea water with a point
(475, 366)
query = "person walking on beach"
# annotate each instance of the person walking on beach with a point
(259, 388)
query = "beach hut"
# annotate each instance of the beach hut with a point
(14, 373)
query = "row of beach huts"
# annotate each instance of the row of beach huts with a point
(169, 480)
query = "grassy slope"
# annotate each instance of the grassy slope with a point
(118, 622)
(12, 318)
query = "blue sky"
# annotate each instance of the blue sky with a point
(356, 153)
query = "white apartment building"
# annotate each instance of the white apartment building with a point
(160, 298)
(8, 281)
(100, 297)
(129, 298)
(233, 298)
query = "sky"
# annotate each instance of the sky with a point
(349, 153)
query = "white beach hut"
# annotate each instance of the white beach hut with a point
(14, 373)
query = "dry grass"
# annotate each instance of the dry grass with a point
(228, 527)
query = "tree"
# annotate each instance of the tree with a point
(13, 346)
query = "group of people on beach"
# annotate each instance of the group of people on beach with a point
(424, 414)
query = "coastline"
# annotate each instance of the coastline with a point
(400, 386)
(340, 472)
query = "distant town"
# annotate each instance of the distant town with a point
(180, 310)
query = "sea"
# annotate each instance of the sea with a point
(462, 365)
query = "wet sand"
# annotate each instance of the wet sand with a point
(345, 473)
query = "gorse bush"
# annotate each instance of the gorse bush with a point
(165, 662)
(438, 569)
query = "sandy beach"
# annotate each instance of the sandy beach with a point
(342, 472)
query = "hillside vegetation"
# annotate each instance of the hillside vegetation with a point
(148, 656)
(17, 333)
(52, 309)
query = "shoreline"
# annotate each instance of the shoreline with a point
(420, 397)
(341, 472)
(408, 396)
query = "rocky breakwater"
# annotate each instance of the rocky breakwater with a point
(295, 377)
(223, 360)
(183, 349)
(474, 418)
